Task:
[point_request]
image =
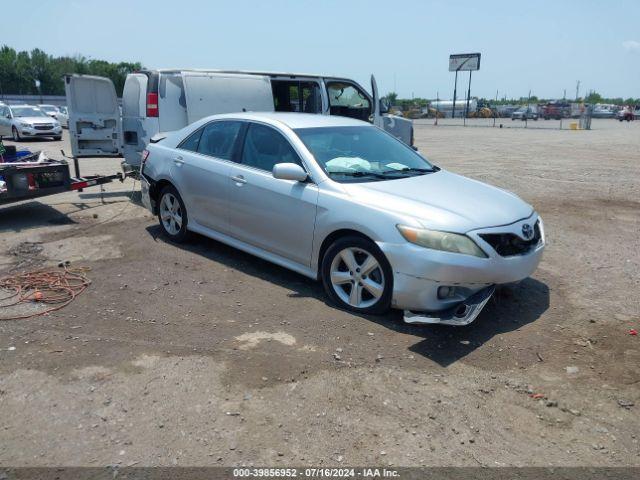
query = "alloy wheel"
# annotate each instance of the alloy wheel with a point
(357, 277)
(171, 214)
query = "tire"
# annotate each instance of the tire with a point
(375, 286)
(58, 138)
(174, 225)
(15, 134)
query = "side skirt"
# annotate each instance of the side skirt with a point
(258, 252)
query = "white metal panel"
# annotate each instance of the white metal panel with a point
(214, 93)
(94, 116)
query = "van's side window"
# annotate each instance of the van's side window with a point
(191, 142)
(218, 139)
(346, 100)
(264, 147)
(296, 96)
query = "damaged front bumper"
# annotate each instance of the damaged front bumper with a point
(458, 315)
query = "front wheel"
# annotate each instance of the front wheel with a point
(172, 215)
(15, 134)
(58, 138)
(357, 276)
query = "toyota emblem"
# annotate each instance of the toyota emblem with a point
(527, 231)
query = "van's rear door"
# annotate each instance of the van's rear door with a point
(209, 93)
(94, 116)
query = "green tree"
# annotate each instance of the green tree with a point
(20, 70)
(391, 97)
(593, 97)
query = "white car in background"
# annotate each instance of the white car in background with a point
(27, 121)
(57, 113)
(64, 117)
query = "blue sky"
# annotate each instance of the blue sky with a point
(545, 46)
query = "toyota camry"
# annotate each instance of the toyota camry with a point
(344, 202)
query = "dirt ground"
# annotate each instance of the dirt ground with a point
(203, 355)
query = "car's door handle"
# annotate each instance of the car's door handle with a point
(178, 161)
(239, 179)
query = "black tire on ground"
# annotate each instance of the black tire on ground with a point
(383, 303)
(182, 233)
(15, 134)
(58, 138)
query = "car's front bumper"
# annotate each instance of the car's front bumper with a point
(34, 132)
(458, 315)
(419, 272)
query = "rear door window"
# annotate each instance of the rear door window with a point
(264, 147)
(218, 139)
(192, 141)
(296, 96)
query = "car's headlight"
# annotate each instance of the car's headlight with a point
(444, 241)
(24, 124)
(56, 124)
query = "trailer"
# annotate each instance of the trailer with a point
(26, 180)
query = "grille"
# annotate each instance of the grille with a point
(508, 244)
(43, 126)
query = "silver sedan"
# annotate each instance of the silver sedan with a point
(342, 201)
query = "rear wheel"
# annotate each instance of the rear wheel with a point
(15, 134)
(172, 215)
(357, 276)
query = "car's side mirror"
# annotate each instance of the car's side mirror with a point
(289, 171)
(9, 116)
(384, 105)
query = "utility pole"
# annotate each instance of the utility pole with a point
(495, 113)
(455, 91)
(466, 113)
(577, 90)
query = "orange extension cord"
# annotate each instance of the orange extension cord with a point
(49, 286)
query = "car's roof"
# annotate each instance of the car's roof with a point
(294, 120)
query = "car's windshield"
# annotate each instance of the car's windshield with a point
(49, 109)
(360, 154)
(27, 112)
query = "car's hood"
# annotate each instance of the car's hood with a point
(443, 200)
(46, 119)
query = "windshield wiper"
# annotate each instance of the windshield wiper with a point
(413, 170)
(361, 174)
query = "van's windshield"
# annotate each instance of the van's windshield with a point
(362, 154)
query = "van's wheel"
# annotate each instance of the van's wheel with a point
(16, 136)
(357, 276)
(172, 215)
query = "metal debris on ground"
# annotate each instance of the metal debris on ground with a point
(55, 288)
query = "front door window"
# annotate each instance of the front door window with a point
(347, 100)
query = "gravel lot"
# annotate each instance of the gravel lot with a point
(203, 355)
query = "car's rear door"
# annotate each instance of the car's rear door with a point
(201, 168)
(272, 214)
(94, 116)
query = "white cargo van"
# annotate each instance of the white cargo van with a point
(159, 101)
